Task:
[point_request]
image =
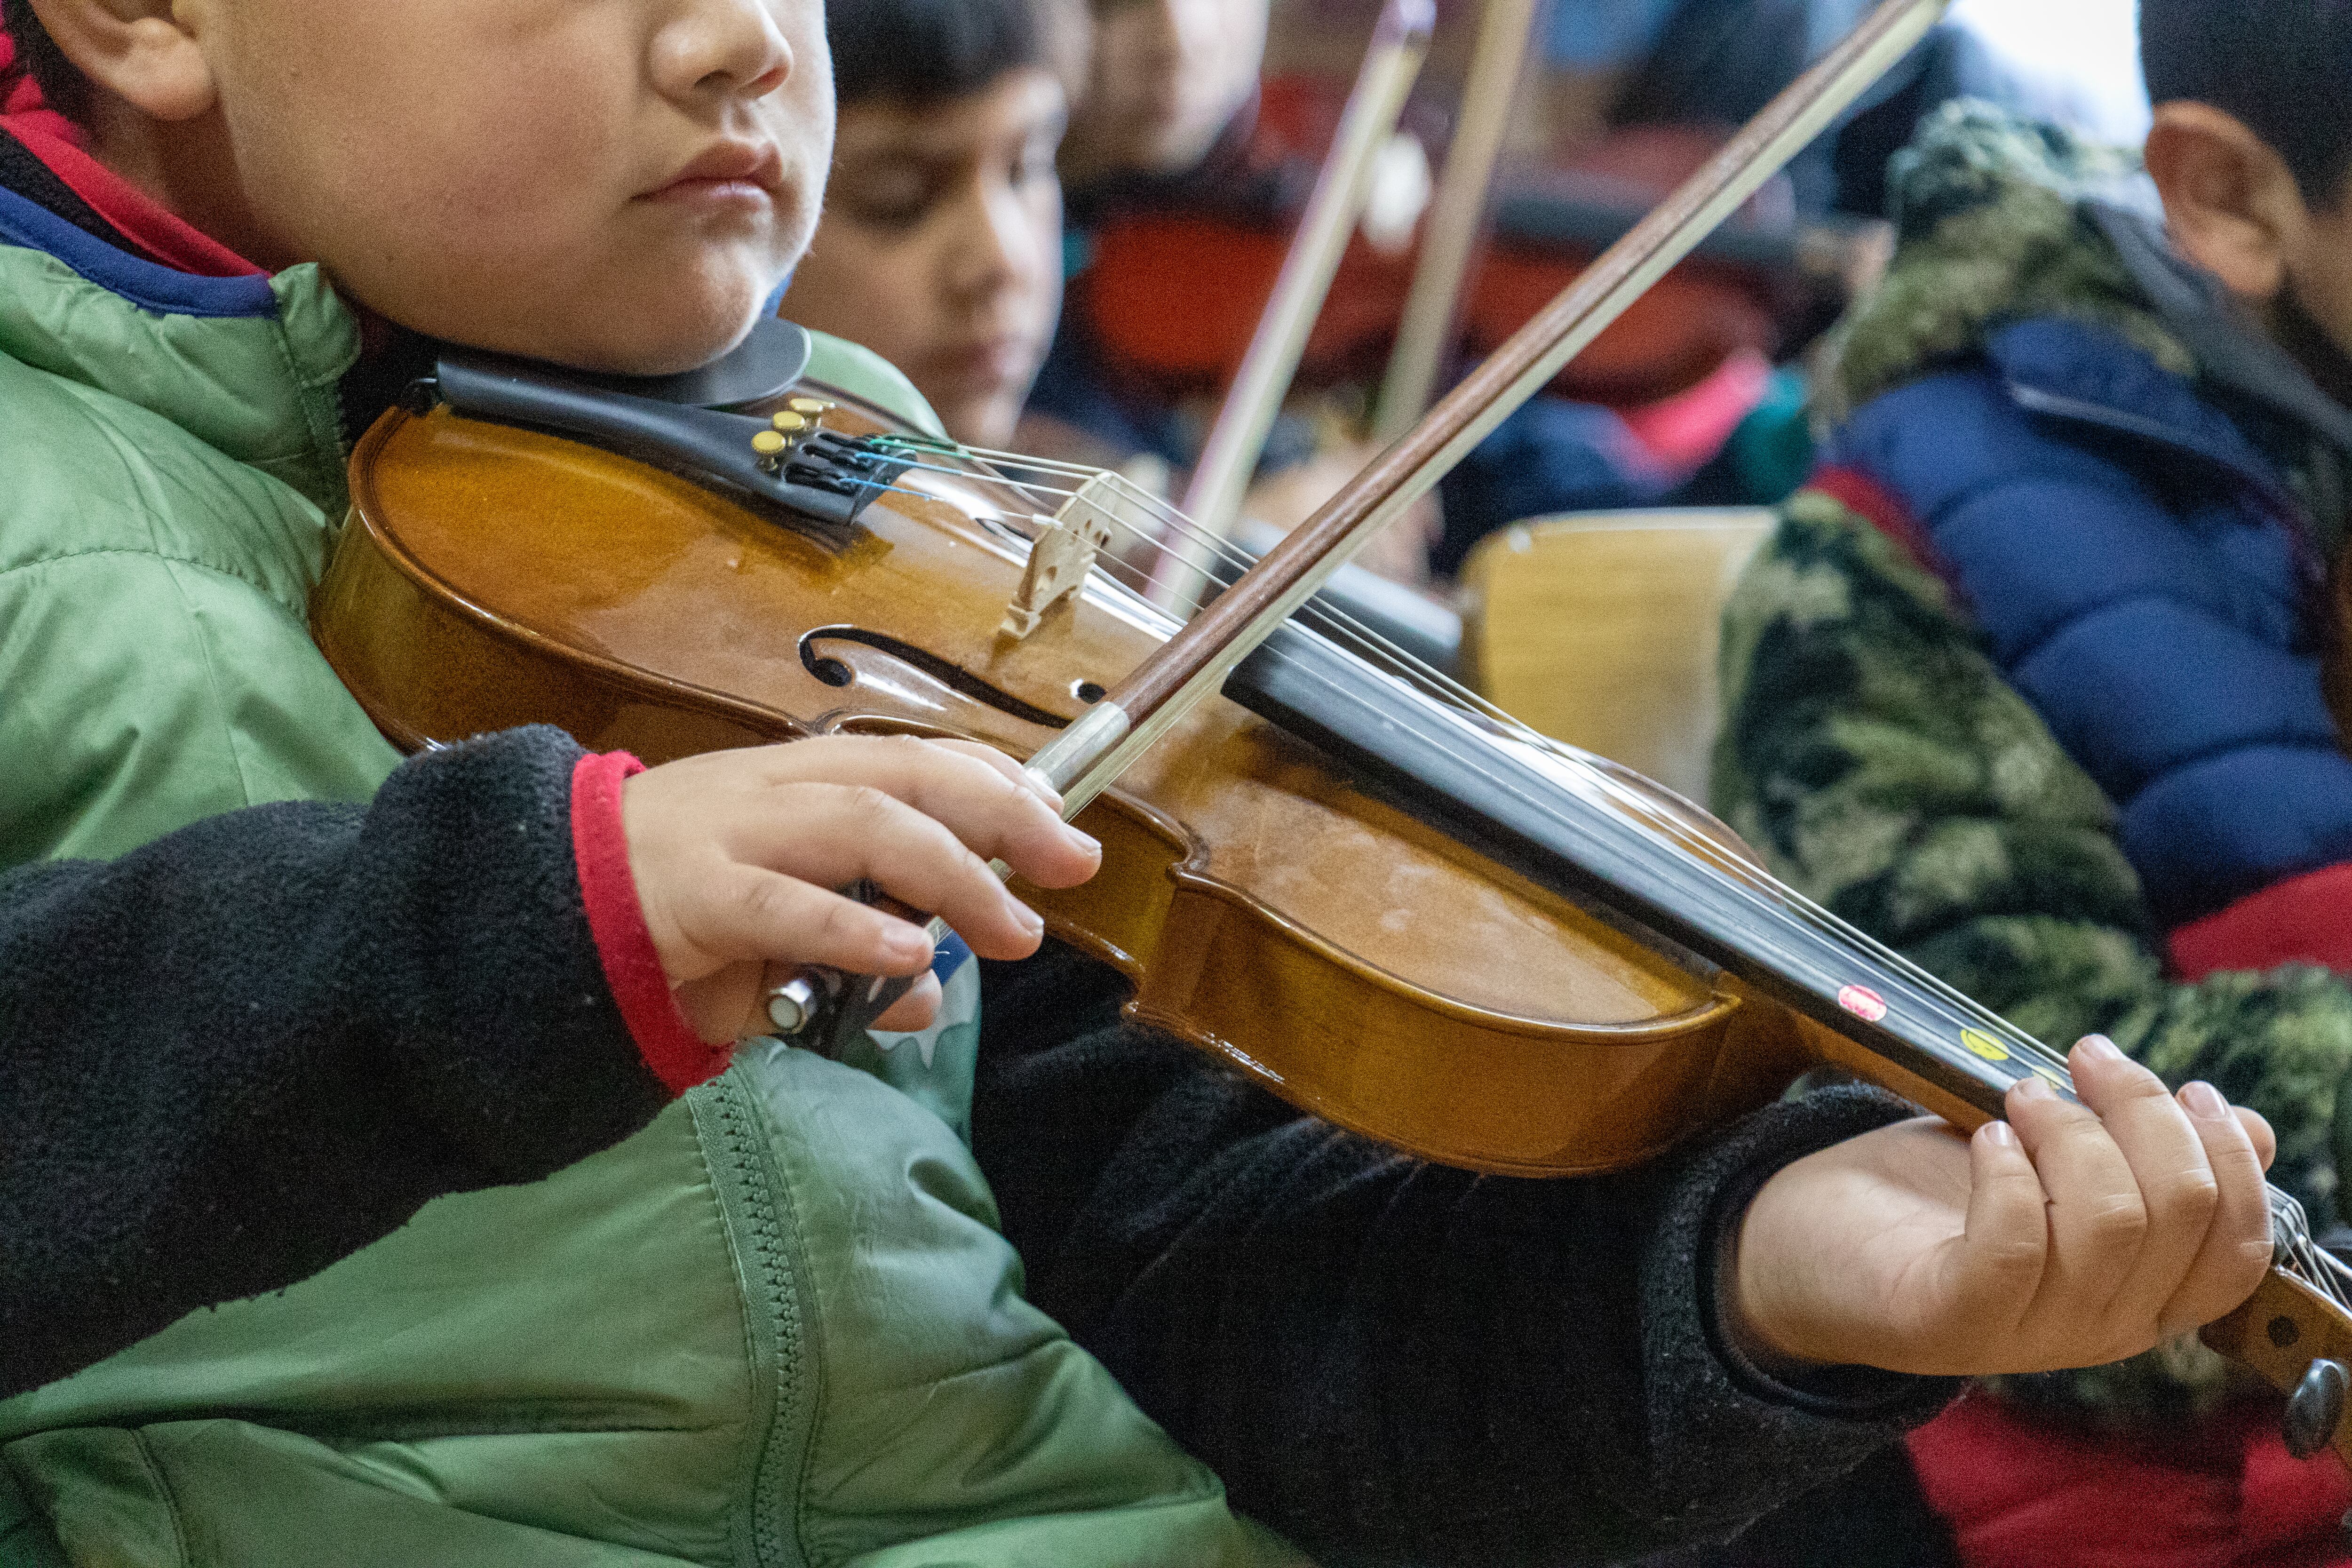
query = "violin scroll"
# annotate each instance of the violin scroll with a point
(2295, 1331)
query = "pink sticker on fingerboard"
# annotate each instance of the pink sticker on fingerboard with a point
(1863, 1002)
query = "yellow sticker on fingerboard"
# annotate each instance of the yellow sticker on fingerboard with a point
(1984, 1044)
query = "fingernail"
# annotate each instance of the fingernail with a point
(906, 943)
(2000, 1132)
(2034, 1089)
(2098, 1047)
(1030, 919)
(2203, 1099)
(1085, 841)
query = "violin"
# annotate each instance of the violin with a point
(1338, 872)
(1261, 901)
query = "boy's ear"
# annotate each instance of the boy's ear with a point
(140, 51)
(2230, 202)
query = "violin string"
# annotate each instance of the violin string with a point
(1127, 575)
(1640, 806)
(1688, 841)
(1329, 619)
(1772, 898)
(1683, 836)
(1664, 825)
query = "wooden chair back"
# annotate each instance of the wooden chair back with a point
(1602, 629)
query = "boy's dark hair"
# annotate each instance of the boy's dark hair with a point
(926, 51)
(2283, 66)
(63, 88)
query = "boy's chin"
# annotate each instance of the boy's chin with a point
(646, 336)
(657, 345)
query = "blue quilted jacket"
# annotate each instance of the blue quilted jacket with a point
(2144, 556)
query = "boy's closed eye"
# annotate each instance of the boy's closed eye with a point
(900, 187)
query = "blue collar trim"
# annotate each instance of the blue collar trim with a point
(149, 285)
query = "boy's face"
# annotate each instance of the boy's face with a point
(941, 247)
(1166, 76)
(616, 185)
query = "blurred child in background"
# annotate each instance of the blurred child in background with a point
(941, 243)
(2032, 684)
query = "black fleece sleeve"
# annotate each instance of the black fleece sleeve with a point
(1390, 1362)
(262, 1042)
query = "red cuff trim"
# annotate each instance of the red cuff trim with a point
(2304, 919)
(673, 1052)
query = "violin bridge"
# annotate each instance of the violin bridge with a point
(1061, 556)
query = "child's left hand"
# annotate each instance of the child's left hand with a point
(2067, 1236)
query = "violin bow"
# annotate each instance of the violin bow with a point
(1087, 757)
(1457, 215)
(1214, 497)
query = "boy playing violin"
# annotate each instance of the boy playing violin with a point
(772, 1320)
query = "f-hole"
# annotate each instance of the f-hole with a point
(955, 677)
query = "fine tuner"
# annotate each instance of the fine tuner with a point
(787, 429)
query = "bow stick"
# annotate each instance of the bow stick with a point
(1085, 759)
(1214, 497)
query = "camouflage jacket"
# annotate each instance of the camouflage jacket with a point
(1873, 753)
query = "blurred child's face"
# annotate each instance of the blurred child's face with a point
(1167, 76)
(612, 184)
(942, 246)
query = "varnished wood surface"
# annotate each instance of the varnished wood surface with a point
(1362, 965)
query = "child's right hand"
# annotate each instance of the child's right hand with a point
(736, 854)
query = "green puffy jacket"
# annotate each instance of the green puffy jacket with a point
(777, 1326)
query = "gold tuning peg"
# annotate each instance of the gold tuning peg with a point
(812, 409)
(772, 445)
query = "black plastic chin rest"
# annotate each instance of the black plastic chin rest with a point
(682, 422)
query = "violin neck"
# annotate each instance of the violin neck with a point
(1567, 826)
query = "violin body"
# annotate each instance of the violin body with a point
(1364, 965)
